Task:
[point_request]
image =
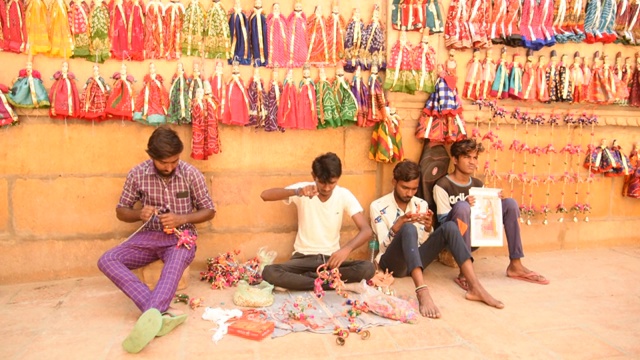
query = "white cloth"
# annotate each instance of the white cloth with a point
(220, 317)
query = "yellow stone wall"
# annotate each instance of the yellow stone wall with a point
(60, 180)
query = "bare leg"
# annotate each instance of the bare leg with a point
(517, 270)
(425, 303)
(476, 291)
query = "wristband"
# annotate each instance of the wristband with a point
(420, 288)
(298, 192)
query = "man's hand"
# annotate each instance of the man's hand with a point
(170, 220)
(501, 195)
(471, 200)
(337, 258)
(309, 191)
(147, 212)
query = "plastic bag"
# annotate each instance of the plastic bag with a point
(388, 306)
(260, 295)
(266, 257)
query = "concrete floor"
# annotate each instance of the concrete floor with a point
(591, 310)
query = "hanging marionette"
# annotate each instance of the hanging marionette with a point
(239, 31)
(318, 53)
(258, 32)
(546, 22)
(621, 165)
(634, 84)
(173, 17)
(500, 87)
(542, 90)
(298, 47)
(152, 101)
(574, 21)
(217, 36)
(498, 14)
(213, 145)
(592, 18)
(627, 73)
(565, 85)
(594, 158)
(397, 22)
(611, 83)
(36, 18)
(236, 110)
(373, 40)
(361, 92)
(120, 103)
(192, 29)
(347, 102)
(15, 27)
(288, 109)
(78, 19)
(153, 30)
(99, 40)
(196, 80)
(456, 29)
(631, 187)
(488, 75)
(560, 13)
(335, 35)
(529, 78)
(218, 90)
(576, 78)
(515, 78)
(272, 103)
(93, 100)
(529, 26)
(64, 94)
(621, 20)
(28, 90)
(472, 83)
(607, 22)
(551, 76)
(478, 31)
(632, 26)
(599, 91)
(399, 77)
(433, 18)
(205, 141)
(621, 78)
(586, 71)
(135, 30)
(353, 42)
(7, 115)
(307, 113)
(424, 64)
(277, 36)
(377, 101)
(257, 101)
(327, 104)
(179, 99)
(386, 139)
(512, 35)
(118, 31)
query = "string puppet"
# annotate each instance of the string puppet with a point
(120, 103)
(93, 100)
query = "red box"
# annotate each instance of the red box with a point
(253, 329)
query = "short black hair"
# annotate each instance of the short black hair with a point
(466, 147)
(326, 167)
(406, 170)
(164, 143)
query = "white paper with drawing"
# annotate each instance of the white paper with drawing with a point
(486, 217)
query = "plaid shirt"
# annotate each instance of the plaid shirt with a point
(184, 192)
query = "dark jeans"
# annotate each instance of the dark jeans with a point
(404, 254)
(299, 273)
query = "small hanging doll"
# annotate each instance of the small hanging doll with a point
(361, 92)
(192, 29)
(135, 30)
(577, 78)
(28, 90)
(173, 16)
(478, 29)
(93, 100)
(99, 40)
(257, 101)
(386, 139)
(219, 91)
(472, 83)
(118, 30)
(529, 78)
(347, 102)
(307, 113)
(488, 75)
(552, 78)
(621, 164)
(377, 103)
(586, 71)
(335, 35)
(424, 63)
(327, 104)
(213, 144)
(179, 99)
(353, 42)
(500, 87)
(196, 80)
(318, 53)
(631, 187)
(236, 110)
(239, 31)
(258, 33)
(298, 47)
(217, 39)
(15, 27)
(277, 37)
(79, 27)
(399, 76)
(272, 103)
(599, 90)
(64, 94)
(153, 30)
(120, 103)
(152, 101)
(627, 73)
(373, 40)
(515, 78)
(565, 85)
(512, 36)
(287, 111)
(7, 115)
(620, 79)
(205, 137)
(36, 18)
(456, 30)
(433, 18)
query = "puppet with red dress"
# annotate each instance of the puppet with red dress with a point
(277, 35)
(173, 18)
(237, 101)
(93, 100)
(287, 111)
(218, 90)
(298, 47)
(120, 103)
(64, 94)
(154, 30)
(307, 112)
(14, 26)
(152, 101)
(335, 35)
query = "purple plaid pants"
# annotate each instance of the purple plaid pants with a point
(142, 249)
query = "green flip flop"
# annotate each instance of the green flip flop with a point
(170, 322)
(145, 330)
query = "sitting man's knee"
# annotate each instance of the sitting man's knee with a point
(450, 227)
(461, 207)
(408, 229)
(268, 274)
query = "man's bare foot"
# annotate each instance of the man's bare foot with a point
(478, 293)
(357, 288)
(517, 271)
(174, 311)
(426, 305)
(462, 282)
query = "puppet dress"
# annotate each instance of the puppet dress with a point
(152, 102)
(386, 141)
(361, 93)
(456, 30)
(433, 18)
(353, 45)
(347, 102)
(192, 29)
(257, 103)
(154, 31)
(93, 100)
(79, 24)
(7, 115)
(173, 14)
(472, 83)
(28, 91)
(565, 85)
(118, 33)
(373, 40)
(217, 37)
(120, 103)
(272, 103)
(204, 129)
(529, 88)
(500, 87)
(219, 94)
(240, 42)
(335, 38)
(99, 42)
(377, 102)
(36, 18)
(599, 90)
(307, 113)
(59, 31)
(496, 21)
(64, 96)
(179, 102)
(399, 76)
(318, 54)
(14, 27)
(424, 64)
(298, 47)
(237, 103)
(488, 76)
(327, 105)
(515, 81)
(259, 40)
(277, 35)
(288, 109)
(577, 82)
(135, 30)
